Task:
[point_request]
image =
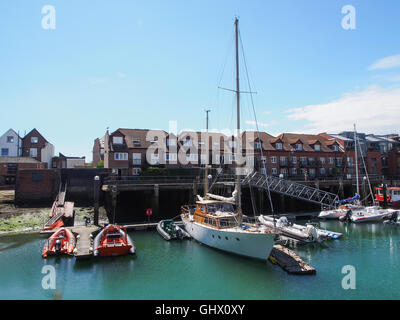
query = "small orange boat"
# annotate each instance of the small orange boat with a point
(60, 242)
(113, 240)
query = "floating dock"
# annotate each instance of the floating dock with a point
(289, 261)
(84, 241)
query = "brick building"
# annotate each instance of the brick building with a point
(34, 145)
(9, 167)
(63, 162)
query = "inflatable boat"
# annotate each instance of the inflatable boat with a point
(169, 230)
(113, 240)
(60, 242)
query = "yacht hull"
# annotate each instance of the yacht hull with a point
(255, 245)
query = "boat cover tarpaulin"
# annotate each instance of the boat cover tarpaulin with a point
(356, 197)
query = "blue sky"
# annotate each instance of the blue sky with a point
(141, 64)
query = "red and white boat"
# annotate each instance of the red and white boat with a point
(60, 242)
(113, 240)
(392, 196)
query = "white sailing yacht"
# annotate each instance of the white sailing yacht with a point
(218, 221)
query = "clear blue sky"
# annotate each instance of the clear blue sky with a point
(141, 64)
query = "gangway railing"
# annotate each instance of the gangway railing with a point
(291, 189)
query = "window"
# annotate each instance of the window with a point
(273, 159)
(4, 152)
(33, 152)
(10, 139)
(136, 171)
(263, 171)
(322, 160)
(263, 159)
(12, 168)
(350, 161)
(121, 156)
(283, 161)
(34, 139)
(136, 141)
(117, 140)
(257, 145)
(36, 176)
(137, 159)
(294, 171)
(294, 160)
(322, 171)
(335, 147)
(299, 146)
(317, 147)
(278, 146)
(312, 172)
(274, 171)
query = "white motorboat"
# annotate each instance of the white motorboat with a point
(307, 233)
(371, 214)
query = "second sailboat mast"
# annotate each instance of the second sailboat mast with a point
(238, 142)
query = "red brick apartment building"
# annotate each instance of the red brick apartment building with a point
(379, 153)
(292, 155)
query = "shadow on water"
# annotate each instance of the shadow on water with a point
(8, 242)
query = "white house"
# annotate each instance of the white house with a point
(10, 144)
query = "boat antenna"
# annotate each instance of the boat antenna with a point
(238, 144)
(207, 155)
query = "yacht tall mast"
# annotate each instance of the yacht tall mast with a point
(238, 137)
(207, 155)
(356, 157)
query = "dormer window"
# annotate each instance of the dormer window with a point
(299, 147)
(278, 146)
(317, 147)
(136, 141)
(117, 140)
(34, 139)
(335, 147)
(257, 145)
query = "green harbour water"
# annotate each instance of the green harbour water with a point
(188, 270)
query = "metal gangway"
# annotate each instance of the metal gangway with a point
(291, 189)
